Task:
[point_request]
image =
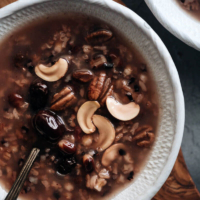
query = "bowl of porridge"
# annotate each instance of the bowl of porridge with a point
(93, 87)
(180, 17)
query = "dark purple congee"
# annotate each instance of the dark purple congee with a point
(60, 78)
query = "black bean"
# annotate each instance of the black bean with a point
(51, 56)
(130, 176)
(87, 60)
(122, 152)
(27, 189)
(83, 153)
(6, 109)
(143, 67)
(136, 88)
(132, 80)
(3, 141)
(56, 194)
(25, 129)
(108, 65)
(129, 95)
(96, 153)
(29, 66)
(20, 162)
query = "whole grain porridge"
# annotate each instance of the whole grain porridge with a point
(75, 88)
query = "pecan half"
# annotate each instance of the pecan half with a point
(106, 92)
(100, 88)
(63, 99)
(99, 36)
(106, 87)
(144, 136)
(96, 87)
(83, 75)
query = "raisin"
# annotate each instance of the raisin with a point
(66, 165)
(38, 95)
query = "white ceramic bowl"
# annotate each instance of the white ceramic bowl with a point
(176, 20)
(170, 126)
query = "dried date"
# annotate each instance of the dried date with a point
(38, 94)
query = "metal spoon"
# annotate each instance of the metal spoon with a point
(47, 119)
(17, 186)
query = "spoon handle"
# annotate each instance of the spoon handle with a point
(17, 186)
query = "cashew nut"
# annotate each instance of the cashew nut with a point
(84, 116)
(53, 73)
(106, 132)
(113, 153)
(122, 112)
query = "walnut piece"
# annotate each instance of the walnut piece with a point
(99, 184)
(106, 87)
(96, 86)
(83, 75)
(100, 88)
(98, 61)
(63, 99)
(93, 182)
(108, 93)
(144, 136)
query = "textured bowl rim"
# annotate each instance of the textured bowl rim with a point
(191, 37)
(170, 67)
